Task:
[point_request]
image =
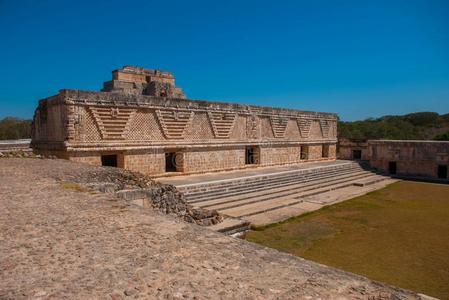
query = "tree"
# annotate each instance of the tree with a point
(13, 128)
(442, 137)
(420, 125)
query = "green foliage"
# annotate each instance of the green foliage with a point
(415, 126)
(442, 137)
(14, 128)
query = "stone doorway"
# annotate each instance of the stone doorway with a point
(442, 171)
(109, 160)
(325, 151)
(357, 154)
(170, 162)
(251, 155)
(304, 153)
(392, 167)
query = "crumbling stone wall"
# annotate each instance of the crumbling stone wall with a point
(139, 81)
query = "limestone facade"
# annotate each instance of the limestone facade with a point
(132, 124)
(428, 159)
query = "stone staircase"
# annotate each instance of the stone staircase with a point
(283, 193)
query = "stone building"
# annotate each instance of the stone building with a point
(356, 149)
(141, 121)
(428, 159)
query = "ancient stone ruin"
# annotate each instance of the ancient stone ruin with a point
(418, 159)
(142, 122)
(139, 81)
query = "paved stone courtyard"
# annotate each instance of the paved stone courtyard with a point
(60, 241)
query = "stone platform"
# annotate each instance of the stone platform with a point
(60, 242)
(268, 195)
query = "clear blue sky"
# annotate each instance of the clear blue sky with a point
(357, 58)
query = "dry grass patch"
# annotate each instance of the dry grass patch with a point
(398, 235)
(73, 186)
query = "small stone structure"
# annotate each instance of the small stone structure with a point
(139, 81)
(142, 122)
(425, 159)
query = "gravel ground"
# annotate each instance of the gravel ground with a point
(58, 241)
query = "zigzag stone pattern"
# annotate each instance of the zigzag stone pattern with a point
(304, 127)
(279, 125)
(113, 122)
(222, 123)
(325, 126)
(174, 123)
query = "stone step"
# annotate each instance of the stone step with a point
(308, 204)
(268, 181)
(282, 214)
(289, 200)
(370, 181)
(238, 182)
(190, 188)
(231, 226)
(255, 178)
(229, 202)
(268, 189)
(243, 189)
(292, 193)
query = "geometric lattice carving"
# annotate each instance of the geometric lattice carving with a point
(279, 125)
(334, 127)
(200, 129)
(112, 121)
(144, 126)
(222, 123)
(88, 129)
(174, 123)
(304, 127)
(325, 126)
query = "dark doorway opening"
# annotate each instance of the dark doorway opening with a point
(392, 168)
(170, 162)
(304, 154)
(325, 151)
(356, 154)
(442, 171)
(250, 156)
(109, 160)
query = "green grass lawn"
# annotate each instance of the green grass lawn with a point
(398, 235)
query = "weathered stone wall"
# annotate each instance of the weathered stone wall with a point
(412, 158)
(91, 157)
(146, 162)
(208, 136)
(50, 121)
(347, 146)
(139, 81)
(212, 159)
(332, 151)
(278, 155)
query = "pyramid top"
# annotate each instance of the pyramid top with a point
(140, 81)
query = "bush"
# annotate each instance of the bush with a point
(416, 126)
(442, 137)
(14, 128)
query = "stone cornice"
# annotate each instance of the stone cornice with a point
(88, 98)
(121, 146)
